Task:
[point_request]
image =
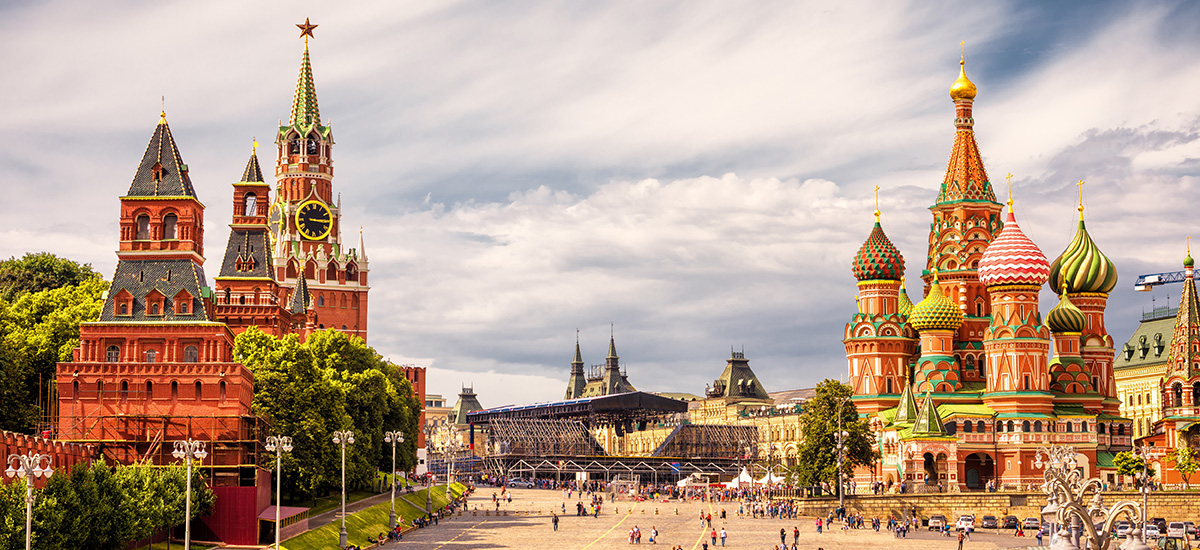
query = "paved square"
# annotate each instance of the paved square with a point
(611, 529)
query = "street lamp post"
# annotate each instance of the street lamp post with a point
(278, 444)
(30, 467)
(393, 438)
(452, 446)
(187, 451)
(1143, 452)
(428, 463)
(1067, 494)
(343, 437)
(841, 455)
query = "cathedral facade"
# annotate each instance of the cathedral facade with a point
(975, 352)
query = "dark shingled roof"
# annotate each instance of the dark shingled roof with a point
(162, 152)
(300, 296)
(252, 246)
(139, 277)
(252, 173)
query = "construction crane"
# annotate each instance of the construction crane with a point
(1146, 283)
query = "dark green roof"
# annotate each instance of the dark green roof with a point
(738, 381)
(300, 296)
(140, 277)
(1105, 460)
(252, 173)
(907, 409)
(1148, 344)
(467, 403)
(928, 422)
(162, 172)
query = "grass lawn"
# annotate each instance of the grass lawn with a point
(325, 504)
(372, 521)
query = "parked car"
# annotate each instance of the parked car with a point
(937, 521)
(989, 522)
(1176, 529)
(966, 523)
(1122, 528)
(1191, 528)
(1152, 531)
(1032, 524)
(523, 483)
(1010, 522)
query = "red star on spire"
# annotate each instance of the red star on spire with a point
(306, 29)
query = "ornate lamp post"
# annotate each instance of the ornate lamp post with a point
(393, 438)
(343, 438)
(428, 463)
(452, 447)
(1066, 491)
(188, 451)
(30, 467)
(278, 444)
(841, 454)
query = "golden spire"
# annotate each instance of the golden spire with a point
(962, 88)
(876, 203)
(1080, 184)
(935, 277)
(254, 146)
(1010, 201)
(162, 115)
(857, 304)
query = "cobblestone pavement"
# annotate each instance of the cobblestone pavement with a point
(611, 529)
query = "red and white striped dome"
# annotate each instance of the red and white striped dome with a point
(1013, 259)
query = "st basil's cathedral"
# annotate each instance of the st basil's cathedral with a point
(960, 388)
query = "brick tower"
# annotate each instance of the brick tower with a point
(305, 222)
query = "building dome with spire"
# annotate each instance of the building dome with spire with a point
(1083, 267)
(1065, 317)
(1013, 259)
(905, 303)
(936, 311)
(878, 258)
(962, 88)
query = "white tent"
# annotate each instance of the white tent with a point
(771, 478)
(743, 478)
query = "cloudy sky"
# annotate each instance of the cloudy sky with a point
(697, 174)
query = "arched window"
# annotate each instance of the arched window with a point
(979, 427)
(112, 354)
(182, 307)
(149, 390)
(1083, 426)
(174, 390)
(1037, 426)
(1178, 395)
(1026, 381)
(1025, 426)
(124, 309)
(251, 205)
(951, 428)
(222, 394)
(1100, 427)
(1069, 427)
(100, 387)
(151, 355)
(1139, 399)
(228, 296)
(154, 309)
(968, 427)
(1120, 429)
(143, 228)
(75, 390)
(312, 144)
(169, 223)
(889, 380)
(124, 390)
(1011, 426)
(1196, 393)
(191, 354)
(321, 300)
(198, 392)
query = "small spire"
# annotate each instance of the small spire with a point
(1010, 201)
(362, 247)
(876, 204)
(612, 341)
(578, 354)
(1080, 184)
(935, 275)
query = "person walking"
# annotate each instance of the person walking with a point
(723, 536)
(795, 534)
(783, 536)
(714, 538)
(554, 521)
(960, 539)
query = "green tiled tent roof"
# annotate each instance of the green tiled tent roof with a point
(907, 410)
(1105, 460)
(168, 277)
(252, 245)
(928, 422)
(170, 179)
(252, 173)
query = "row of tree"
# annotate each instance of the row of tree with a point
(43, 298)
(330, 382)
(101, 507)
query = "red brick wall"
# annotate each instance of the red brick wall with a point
(64, 456)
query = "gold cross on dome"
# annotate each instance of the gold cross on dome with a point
(1080, 184)
(306, 30)
(962, 50)
(1009, 177)
(876, 203)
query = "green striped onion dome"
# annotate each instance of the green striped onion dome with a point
(906, 304)
(1082, 267)
(878, 258)
(1065, 317)
(1188, 261)
(936, 311)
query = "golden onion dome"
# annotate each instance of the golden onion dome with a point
(962, 88)
(936, 311)
(904, 303)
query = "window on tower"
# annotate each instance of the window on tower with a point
(191, 354)
(143, 228)
(169, 223)
(295, 146)
(251, 205)
(151, 355)
(312, 146)
(112, 354)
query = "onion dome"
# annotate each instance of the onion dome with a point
(936, 311)
(878, 258)
(1188, 261)
(1082, 267)
(962, 88)
(1065, 317)
(905, 304)
(1013, 259)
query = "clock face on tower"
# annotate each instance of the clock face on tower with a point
(275, 220)
(313, 220)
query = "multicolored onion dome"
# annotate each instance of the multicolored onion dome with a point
(936, 311)
(1065, 317)
(962, 88)
(905, 304)
(878, 258)
(1013, 259)
(1082, 267)
(1188, 261)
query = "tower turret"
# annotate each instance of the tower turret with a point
(578, 381)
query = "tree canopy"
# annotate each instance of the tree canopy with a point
(817, 454)
(1129, 464)
(38, 271)
(329, 382)
(1184, 459)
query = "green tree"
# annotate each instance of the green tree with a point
(817, 454)
(12, 515)
(38, 271)
(39, 330)
(1129, 464)
(1184, 458)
